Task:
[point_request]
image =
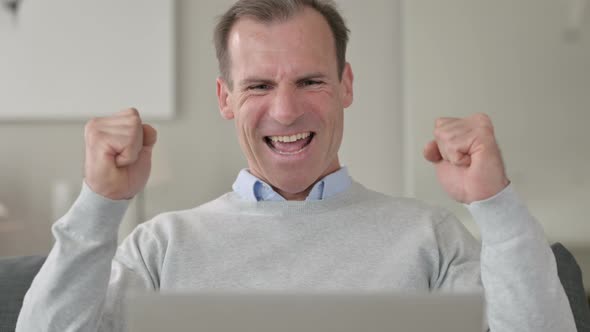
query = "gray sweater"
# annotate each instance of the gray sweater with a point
(356, 240)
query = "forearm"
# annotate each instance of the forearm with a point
(68, 293)
(522, 288)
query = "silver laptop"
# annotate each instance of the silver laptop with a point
(264, 312)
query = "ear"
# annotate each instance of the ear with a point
(346, 83)
(223, 95)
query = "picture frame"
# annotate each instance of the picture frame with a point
(72, 60)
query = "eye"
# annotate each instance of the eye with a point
(305, 83)
(259, 87)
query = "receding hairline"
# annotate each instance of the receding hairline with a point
(268, 14)
(279, 21)
(282, 20)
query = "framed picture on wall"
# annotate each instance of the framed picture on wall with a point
(71, 59)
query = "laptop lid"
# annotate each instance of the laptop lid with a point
(342, 312)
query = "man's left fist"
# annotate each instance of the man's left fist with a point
(467, 158)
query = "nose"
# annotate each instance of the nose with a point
(286, 108)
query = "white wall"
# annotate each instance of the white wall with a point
(502, 57)
(200, 148)
(509, 59)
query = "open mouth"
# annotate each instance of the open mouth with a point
(289, 145)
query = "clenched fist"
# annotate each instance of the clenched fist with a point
(118, 154)
(467, 158)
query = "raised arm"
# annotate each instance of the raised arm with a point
(80, 287)
(518, 270)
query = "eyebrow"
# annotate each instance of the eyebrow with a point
(255, 80)
(312, 76)
(259, 80)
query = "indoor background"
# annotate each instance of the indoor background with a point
(526, 63)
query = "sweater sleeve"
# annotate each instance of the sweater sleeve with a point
(518, 270)
(80, 287)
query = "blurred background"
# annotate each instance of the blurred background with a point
(526, 63)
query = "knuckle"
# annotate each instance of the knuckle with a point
(93, 138)
(482, 117)
(130, 111)
(445, 136)
(439, 133)
(134, 132)
(90, 124)
(485, 129)
(451, 149)
(134, 119)
(130, 116)
(438, 122)
(450, 136)
(133, 113)
(91, 128)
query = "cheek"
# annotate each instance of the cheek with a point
(331, 113)
(249, 117)
(326, 107)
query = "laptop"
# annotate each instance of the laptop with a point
(342, 312)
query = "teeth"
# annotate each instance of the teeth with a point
(289, 139)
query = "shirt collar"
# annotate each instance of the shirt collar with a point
(253, 189)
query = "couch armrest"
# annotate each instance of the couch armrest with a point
(16, 275)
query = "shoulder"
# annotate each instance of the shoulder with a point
(400, 207)
(410, 216)
(171, 223)
(416, 223)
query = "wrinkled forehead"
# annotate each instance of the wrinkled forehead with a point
(303, 41)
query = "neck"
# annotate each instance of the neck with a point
(301, 196)
(294, 197)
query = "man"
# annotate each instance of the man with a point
(295, 220)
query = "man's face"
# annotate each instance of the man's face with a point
(287, 100)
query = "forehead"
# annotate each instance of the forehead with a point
(302, 42)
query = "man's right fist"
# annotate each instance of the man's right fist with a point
(118, 154)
